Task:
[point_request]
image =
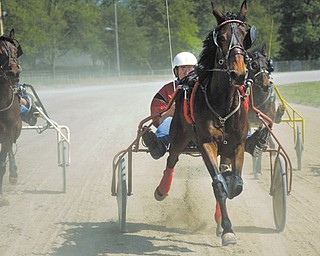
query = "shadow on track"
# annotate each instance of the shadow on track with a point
(104, 238)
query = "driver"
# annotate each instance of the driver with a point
(26, 109)
(158, 142)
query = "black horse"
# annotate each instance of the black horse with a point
(216, 120)
(10, 120)
(264, 96)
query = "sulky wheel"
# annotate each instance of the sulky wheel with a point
(122, 194)
(64, 165)
(279, 193)
(299, 147)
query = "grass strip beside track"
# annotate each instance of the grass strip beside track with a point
(301, 93)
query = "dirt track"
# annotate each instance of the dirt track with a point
(41, 220)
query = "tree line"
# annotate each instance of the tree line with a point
(49, 29)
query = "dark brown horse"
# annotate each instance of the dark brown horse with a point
(219, 122)
(10, 120)
(264, 95)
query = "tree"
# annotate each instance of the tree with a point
(54, 28)
(299, 29)
(133, 43)
(49, 29)
(263, 18)
(82, 18)
(152, 17)
(29, 28)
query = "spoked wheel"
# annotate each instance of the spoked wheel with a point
(63, 160)
(299, 147)
(257, 166)
(122, 195)
(279, 194)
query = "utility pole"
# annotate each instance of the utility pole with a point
(116, 36)
(1, 21)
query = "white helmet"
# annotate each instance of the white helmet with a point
(183, 59)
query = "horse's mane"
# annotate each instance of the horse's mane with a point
(207, 55)
(6, 38)
(234, 16)
(257, 52)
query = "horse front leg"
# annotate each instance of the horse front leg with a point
(210, 154)
(13, 177)
(225, 166)
(238, 160)
(3, 158)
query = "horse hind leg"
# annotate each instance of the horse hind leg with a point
(13, 176)
(164, 186)
(2, 172)
(218, 219)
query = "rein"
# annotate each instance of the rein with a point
(266, 99)
(14, 91)
(218, 70)
(261, 72)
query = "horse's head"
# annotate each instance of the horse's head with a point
(260, 68)
(233, 37)
(10, 51)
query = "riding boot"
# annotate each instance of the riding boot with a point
(256, 143)
(166, 181)
(155, 146)
(32, 120)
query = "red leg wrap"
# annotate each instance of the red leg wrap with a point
(166, 181)
(217, 214)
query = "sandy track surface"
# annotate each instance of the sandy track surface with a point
(103, 119)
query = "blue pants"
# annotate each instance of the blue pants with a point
(162, 131)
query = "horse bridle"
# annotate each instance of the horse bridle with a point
(240, 50)
(8, 74)
(234, 48)
(6, 61)
(262, 71)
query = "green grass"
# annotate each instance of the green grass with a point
(301, 93)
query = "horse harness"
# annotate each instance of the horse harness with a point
(234, 48)
(189, 94)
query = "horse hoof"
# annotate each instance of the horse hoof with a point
(229, 238)
(257, 176)
(13, 180)
(158, 196)
(219, 230)
(3, 201)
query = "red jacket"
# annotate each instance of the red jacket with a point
(161, 100)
